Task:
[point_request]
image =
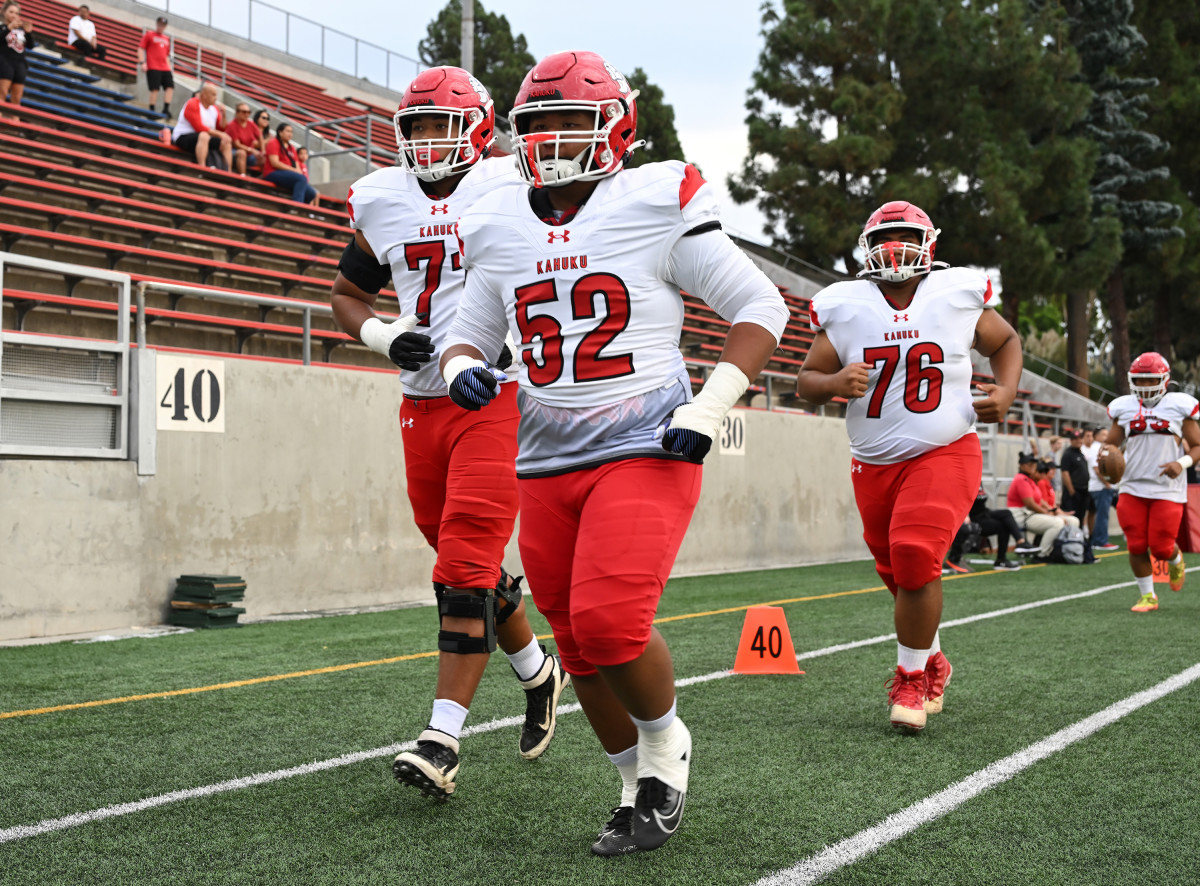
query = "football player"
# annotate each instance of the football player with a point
(897, 344)
(459, 465)
(585, 268)
(1154, 424)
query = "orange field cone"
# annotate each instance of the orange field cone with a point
(1161, 576)
(766, 644)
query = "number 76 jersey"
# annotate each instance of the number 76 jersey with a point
(919, 386)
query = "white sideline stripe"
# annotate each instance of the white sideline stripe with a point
(23, 832)
(933, 807)
(883, 638)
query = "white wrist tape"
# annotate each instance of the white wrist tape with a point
(458, 364)
(1185, 461)
(724, 388)
(378, 336)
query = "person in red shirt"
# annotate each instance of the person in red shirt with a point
(1032, 513)
(248, 146)
(154, 55)
(281, 167)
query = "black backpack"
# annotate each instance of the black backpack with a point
(1071, 546)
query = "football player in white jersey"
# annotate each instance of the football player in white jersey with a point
(897, 345)
(585, 269)
(1162, 440)
(459, 466)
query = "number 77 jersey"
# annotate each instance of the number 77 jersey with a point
(919, 387)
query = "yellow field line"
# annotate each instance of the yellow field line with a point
(333, 669)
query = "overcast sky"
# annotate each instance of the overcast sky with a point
(700, 52)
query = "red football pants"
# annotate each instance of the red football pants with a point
(462, 483)
(1149, 523)
(598, 546)
(912, 509)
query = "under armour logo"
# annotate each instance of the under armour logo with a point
(444, 209)
(855, 468)
(565, 236)
(407, 422)
(896, 318)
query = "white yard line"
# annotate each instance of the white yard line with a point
(22, 832)
(895, 826)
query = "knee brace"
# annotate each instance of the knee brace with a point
(509, 590)
(476, 603)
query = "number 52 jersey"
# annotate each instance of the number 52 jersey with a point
(919, 386)
(594, 305)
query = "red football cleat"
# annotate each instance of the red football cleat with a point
(906, 695)
(937, 676)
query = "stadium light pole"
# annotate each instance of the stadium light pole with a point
(468, 35)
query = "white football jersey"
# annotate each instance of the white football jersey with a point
(415, 234)
(919, 388)
(594, 304)
(1153, 436)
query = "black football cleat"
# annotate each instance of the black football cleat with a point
(431, 766)
(616, 837)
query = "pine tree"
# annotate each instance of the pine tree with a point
(964, 109)
(656, 123)
(1167, 320)
(1107, 42)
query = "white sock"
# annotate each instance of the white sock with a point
(626, 763)
(448, 717)
(666, 754)
(1178, 558)
(659, 725)
(937, 644)
(528, 661)
(911, 659)
(1146, 585)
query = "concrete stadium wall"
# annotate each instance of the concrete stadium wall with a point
(303, 496)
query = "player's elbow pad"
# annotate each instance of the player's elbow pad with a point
(363, 269)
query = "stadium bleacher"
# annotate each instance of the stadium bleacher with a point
(300, 103)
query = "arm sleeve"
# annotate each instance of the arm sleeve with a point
(711, 267)
(481, 321)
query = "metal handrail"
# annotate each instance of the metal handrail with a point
(407, 63)
(1091, 384)
(371, 148)
(362, 143)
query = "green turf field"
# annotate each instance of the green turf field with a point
(284, 777)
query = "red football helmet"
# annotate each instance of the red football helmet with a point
(1148, 377)
(892, 260)
(574, 81)
(470, 123)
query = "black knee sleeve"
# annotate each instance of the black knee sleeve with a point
(476, 603)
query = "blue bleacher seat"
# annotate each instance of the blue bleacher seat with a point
(66, 73)
(106, 121)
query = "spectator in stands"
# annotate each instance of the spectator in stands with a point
(302, 165)
(263, 120)
(199, 124)
(81, 34)
(154, 54)
(16, 36)
(1032, 514)
(248, 145)
(281, 168)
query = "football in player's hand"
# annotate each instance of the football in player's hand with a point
(1111, 464)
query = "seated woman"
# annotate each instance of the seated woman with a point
(282, 168)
